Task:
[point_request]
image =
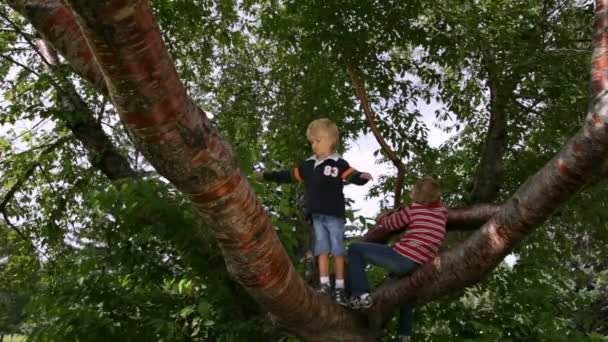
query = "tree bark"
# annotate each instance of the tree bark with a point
(176, 137)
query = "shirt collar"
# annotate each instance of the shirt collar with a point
(335, 156)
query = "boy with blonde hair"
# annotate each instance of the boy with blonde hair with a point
(425, 221)
(323, 176)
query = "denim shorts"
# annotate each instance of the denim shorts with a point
(329, 234)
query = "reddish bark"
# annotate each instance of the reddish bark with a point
(178, 140)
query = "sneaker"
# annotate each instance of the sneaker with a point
(340, 295)
(324, 289)
(363, 301)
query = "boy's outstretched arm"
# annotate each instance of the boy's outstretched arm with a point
(283, 176)
(353, 176)
(395, 220)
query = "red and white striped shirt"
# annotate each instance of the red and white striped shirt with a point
(424, 233)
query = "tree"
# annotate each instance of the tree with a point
(118, 48)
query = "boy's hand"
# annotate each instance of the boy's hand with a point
(258, 176)
(385, 213)
(382, 215)
(366, 176)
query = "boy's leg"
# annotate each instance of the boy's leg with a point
(339, 263)
(324, 284)
(340, 291)
(359, 286)
(384, 256)
(405, 321)
(322, 248)
(324, 265)
(356, 271)
(362, 253)
(335, 226)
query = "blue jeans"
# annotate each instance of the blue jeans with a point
(329, 234)
(362, 253)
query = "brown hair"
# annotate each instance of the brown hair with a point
(326, 126)
(426, 190)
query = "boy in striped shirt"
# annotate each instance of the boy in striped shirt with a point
(424, 221)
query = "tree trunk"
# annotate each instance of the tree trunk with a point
(486, 182)
(178, 140)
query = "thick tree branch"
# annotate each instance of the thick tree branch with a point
(369, 114)
(103, 154)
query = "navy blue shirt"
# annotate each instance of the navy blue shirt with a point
(323, 183)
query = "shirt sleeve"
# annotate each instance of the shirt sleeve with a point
(284, 176)
(349, 174)
(397, 220)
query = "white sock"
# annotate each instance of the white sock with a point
(324, 280)
(339, 283)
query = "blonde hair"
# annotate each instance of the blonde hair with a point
(325, 126)
(426, 190)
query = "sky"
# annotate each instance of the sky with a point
(360, 156)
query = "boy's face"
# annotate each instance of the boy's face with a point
(322, 145)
